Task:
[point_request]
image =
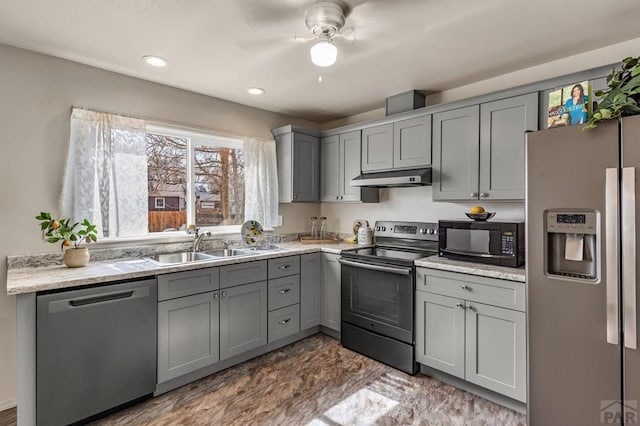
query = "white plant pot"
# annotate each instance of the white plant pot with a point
(76, 257)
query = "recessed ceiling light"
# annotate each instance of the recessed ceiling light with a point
(155, 61)
(255, 90)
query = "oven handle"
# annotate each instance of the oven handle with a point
(388, 269)
(472, 254)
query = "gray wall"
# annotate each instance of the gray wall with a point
(37, 92)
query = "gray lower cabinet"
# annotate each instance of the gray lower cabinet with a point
(440, 333)
(243, 318)
(298, 157)
(330, 291)
(480, 343)
(310, 290)
(478, 151)
(284, 322)
(187, 334)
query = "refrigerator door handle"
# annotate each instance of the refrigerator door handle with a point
(629, 256)
(611, 258)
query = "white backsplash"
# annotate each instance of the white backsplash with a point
(411, 204)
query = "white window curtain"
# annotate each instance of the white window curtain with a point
(261, 181)
(105, 179)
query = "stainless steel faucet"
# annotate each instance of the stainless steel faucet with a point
(197, 238)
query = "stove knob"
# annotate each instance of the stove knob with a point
(431, 231)
(423, 231)
(384, 228)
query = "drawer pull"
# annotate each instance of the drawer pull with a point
(284, 266)
(224, 294)
(284, 290)
(215, 295)
(284, 321)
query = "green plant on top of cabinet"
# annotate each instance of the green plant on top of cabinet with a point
(400, 145)
(478, 151)
(298, 156)
(340, 160)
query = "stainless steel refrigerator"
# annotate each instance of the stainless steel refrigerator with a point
(581, 260)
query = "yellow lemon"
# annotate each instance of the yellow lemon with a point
(476, 210)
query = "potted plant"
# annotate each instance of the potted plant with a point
(622, 96)
(70, 235)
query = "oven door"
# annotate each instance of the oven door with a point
(378, 298)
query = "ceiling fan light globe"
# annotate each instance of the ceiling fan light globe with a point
(324, 53)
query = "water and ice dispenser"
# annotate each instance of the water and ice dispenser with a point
(572, 244)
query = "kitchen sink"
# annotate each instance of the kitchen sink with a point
(178, 258)
(228, 252)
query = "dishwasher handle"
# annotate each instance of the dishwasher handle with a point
(88, 301)
(101, 298)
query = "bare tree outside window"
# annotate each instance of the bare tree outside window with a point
(218, 183)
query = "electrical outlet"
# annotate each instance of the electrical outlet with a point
(279, 220)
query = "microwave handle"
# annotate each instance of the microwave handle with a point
(471, 254)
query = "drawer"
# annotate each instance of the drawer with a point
(284, 322)
(284, 266)
(492, 291)
(284, 291)
(243, 273)
(180, 284)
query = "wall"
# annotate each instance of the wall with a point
(411, 204)
(414, 204)
(37, 94)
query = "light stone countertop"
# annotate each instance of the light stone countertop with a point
(472, 268)
(29, 280)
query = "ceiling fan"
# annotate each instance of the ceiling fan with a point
(325, 20)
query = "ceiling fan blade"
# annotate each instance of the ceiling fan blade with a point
(348, 34)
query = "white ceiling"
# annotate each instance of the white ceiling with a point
(222, 47)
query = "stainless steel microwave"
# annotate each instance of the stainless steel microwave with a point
(495, 243)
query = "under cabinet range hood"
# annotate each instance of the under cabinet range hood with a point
(394, 178)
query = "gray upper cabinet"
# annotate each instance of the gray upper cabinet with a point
(412, 142)
(243, 318)
(377, 148)
(478, 151)
(329, 159)
(310, 290)
(340, 156)
(456, 154)
(502, 127)
(399, 145)
(298, 156)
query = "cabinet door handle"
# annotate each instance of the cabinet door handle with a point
(284, 266)
(469, 307)
(460, 305)
(284, 321)
(284, 290)
(473, 195)
(224, 294)
(484, 194)
(341, 197)
(337, 197)
(215, 295)
(464, 287)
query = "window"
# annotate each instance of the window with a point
(199, 176)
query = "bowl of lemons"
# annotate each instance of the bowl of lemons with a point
(479, 213)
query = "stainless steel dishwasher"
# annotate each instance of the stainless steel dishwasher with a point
(96, 349)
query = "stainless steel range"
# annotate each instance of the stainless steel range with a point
(378, 289)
